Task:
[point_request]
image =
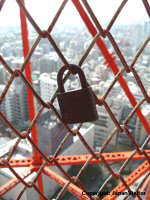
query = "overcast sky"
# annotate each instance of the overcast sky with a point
(44, 10)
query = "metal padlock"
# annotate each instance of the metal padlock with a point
(76, 106)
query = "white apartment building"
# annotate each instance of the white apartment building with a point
(48, 87)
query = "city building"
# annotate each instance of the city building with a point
(47, 86)
(2, 106)
(51, 133)
(104, 125)
(36, 86)
(140, 132)
(122, 138)
(21, 103)
(2, 81)
(7, 106)
(49, 63)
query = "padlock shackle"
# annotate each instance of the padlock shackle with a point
(74, 68)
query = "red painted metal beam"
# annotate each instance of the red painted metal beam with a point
(132, 178)
(101, 45)
(80, 159)
(18, 163)
(26, 49)
(25, 41)
(58, 179)
(62, 181)
(13, 183)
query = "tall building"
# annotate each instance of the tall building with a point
(15, 103)
(122, 138)
(48, 87)
(7, 106)
(21, 102)
(104, 125)
(49, 63)
(36, 86)
(51, 133)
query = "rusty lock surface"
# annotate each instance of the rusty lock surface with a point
(76, 106)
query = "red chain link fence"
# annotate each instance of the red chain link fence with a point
(40, 162)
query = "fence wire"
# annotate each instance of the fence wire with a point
(122, 128)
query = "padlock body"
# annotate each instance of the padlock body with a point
(77, 106)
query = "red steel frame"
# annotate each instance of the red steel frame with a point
(80, 159)
(35, 162)
(25, 42)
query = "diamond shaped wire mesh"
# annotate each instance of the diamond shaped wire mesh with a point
(98, 34)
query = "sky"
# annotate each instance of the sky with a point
(44, 10)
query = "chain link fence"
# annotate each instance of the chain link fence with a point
(98, 34)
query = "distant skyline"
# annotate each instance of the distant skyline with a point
(43, 12)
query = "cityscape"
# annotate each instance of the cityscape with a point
(45, 65)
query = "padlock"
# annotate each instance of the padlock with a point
(76, 106)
